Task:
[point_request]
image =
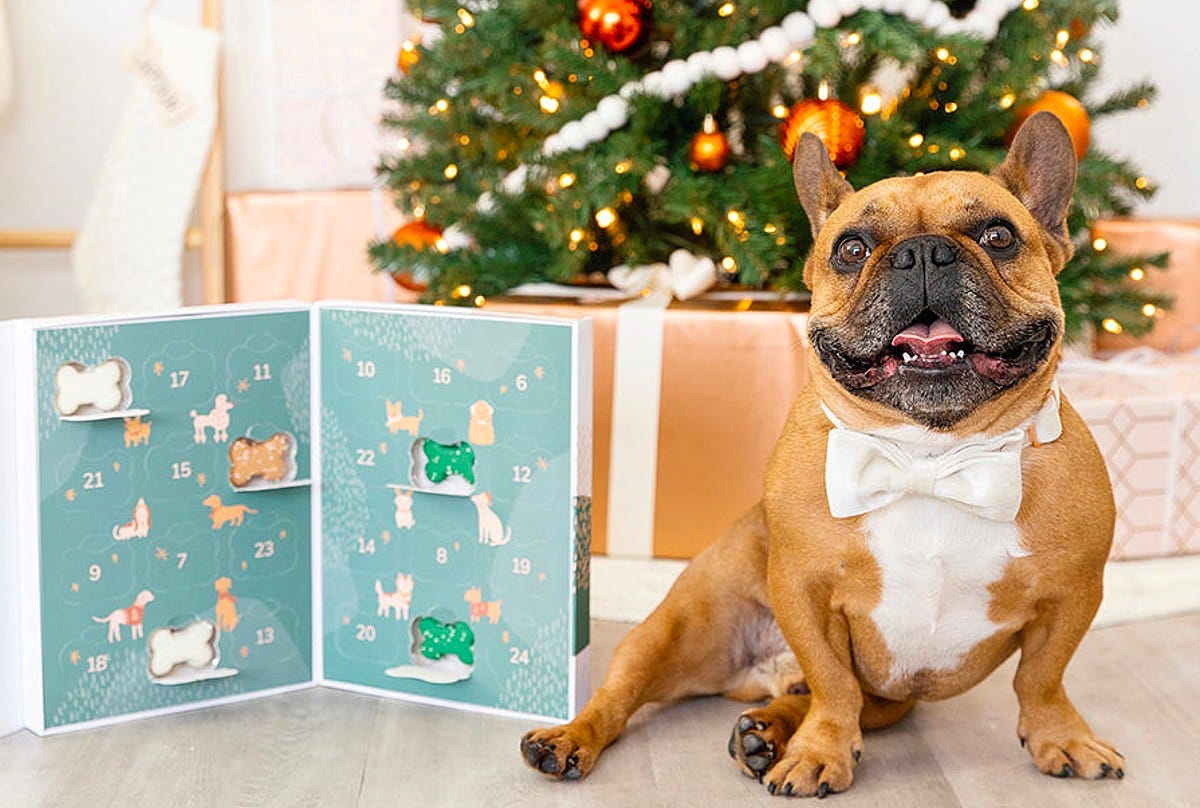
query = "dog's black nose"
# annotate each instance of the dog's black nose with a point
(925, 268)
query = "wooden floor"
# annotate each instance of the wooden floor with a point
(1136, 684)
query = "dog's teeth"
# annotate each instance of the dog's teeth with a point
(960, 354)
(908, 357)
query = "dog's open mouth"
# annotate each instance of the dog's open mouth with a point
(931, 347)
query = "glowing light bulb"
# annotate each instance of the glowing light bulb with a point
(726, 10)
(1137, 273)
(606, 217)
(1149, 309)
(1111, 326)
(1099, 244)
(916, 140)
(871, 103)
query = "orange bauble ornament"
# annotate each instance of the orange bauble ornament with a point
(408, 57)
(839, 127)
(709, 150)
(1068, 110)
(619, 25)
(419, 235)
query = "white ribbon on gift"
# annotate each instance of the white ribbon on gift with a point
(683, 277)
(637, 388)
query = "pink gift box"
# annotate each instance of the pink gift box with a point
(1144, 411)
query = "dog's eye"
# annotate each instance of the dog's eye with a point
(852, 250)
(997, 237)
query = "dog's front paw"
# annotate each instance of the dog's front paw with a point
(817, 762)
(558, 753)
(758, 740)
(1072, 751)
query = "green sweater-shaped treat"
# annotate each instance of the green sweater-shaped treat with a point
(433, 640)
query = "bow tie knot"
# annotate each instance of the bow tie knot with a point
(865, 472)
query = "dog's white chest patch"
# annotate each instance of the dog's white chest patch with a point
(937, 561)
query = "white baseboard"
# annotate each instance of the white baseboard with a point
(627, 589)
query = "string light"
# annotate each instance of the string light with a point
(1007, 100)
(441, 245)
(951, 107)
(957, 154)
(418, 211)
(1057, 57)
(461, 291)
(1149, 310)
(1060, 39)
(1099, 245)
(1086, 54)
(871, 103)
(823, 90)
(697, 225)
(576, 236)
(726, 10)
(606, 217)
(769, 228)
(566, 180)
(779, 111)
(728, 264)
(480, 300)
(942, 54)
(403, 144)
(736, 218)
(464, 140)
(1137, 273)
(916, 140)
(1141, 183)
(623, 166)
(549, 105)
(1111, 326)
(1029, 5)
(934, 148)
(451, 171)
(851, 39)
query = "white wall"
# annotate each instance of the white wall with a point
(71, 88)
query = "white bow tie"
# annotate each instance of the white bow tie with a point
(865, 472)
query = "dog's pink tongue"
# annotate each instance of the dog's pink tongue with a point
(927, 339)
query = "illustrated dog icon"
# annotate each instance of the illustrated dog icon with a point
(227, 616)
(481, 432)
(170, 648)
(403, 501)
(138, 527)
(217, 419)
(397, 420)
(271, 460)
(397, 601)
(137, 431)
(222, 514)
(491, 530)
(131, 616)
(481, 608)
(103, 387)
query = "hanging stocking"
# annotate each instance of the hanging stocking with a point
(129, 252)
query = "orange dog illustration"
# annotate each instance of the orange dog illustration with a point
(130, 616)
(227, 616)
(222, 514)
(481, 608)
(137, 432)
(138, 527)
(480, 432)
(397, 421)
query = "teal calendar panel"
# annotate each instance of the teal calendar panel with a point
(162, 581)
(448, 506)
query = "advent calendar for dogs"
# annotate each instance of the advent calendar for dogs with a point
(233, 501)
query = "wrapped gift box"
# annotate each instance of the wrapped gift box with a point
(681, 443)
(1179, 328)
(1144, 410)
(307, 245)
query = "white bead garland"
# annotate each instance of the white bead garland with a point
(795, 32)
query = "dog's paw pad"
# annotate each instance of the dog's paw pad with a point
(554, 754)
(755, 742)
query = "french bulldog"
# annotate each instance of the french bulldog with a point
(933, 504)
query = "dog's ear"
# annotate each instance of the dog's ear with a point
(1040, 171)
(818, 184)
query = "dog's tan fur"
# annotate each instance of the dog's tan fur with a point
(789, 579)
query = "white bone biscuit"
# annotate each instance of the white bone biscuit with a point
(171, 648)
(103, 387)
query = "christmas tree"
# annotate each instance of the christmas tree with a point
(554, 140)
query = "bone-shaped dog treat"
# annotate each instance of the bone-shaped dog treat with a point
(442, 460)
(272, 459)
(104, 387)
(171, 648)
